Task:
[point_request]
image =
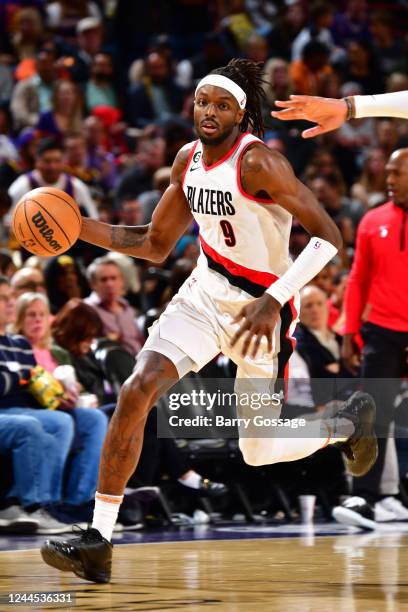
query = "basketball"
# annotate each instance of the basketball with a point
(46, 221)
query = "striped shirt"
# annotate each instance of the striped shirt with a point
(16, 361)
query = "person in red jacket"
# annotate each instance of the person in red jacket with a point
(378, 292)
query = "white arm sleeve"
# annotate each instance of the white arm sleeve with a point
(382, 105)
(311, 260)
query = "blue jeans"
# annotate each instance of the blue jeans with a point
(39, 441)
(91, 425)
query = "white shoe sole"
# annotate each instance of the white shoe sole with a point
(54, 530)
(352, 518)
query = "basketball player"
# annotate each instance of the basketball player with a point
(331, 113)
(240, 300)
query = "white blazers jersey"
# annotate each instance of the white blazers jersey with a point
(243, 239)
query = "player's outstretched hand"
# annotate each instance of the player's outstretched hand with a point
(328, 113)
(258, 319)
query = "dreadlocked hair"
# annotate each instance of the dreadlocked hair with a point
(249, 76)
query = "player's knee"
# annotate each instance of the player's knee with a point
(141, 388)
(252, 452)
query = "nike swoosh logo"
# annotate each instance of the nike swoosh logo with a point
(196, 168)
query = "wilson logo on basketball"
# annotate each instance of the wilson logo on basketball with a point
(45, 230)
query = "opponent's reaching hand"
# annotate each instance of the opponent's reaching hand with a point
(328, 113)
(260, 319)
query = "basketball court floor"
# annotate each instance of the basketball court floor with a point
(231, 568)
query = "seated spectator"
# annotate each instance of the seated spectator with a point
(316, 344)
(32, 96)
(354, 135)
(321, 17)
(8, 150)
(337, 315)
(130, 211)
(157, 97)
(361, 66)
(308, 73)
(65, 114)
(370, 188)
(150, 199)
(64, 15)
(329, 191)
(35, 458)
(16, 363)
(389, 48)
(256, 48)
(89, 40)
(7, 265)
(64, 279)
(99, 90)
(107, 283)
(26, 40)
(49, 171)
(33, 322)
(236, 26)
(28, 279)
(99, 160)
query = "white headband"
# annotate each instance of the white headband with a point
(221, 81)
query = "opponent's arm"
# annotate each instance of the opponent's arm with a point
(154, 241)
(264, 170)
(331, 113)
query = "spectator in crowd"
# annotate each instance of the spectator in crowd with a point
(370, 188)
(26, 40)
(337, 315)
(7, 265)
(32, 96)
(8, 151)
(329, 191)
(351, 24)
(99, 90)
(361, 66)
(388, 138)
(389, 49)
(49, 163)
(287, 26)
(16, 363)
(33, 322)
(157, 97)
(75, 329)
(28, 279)
(90, 36)
(256, 48)
(64, 15)
(64, 279)
(213, 54)
(99, 160)
(118, 318)
(317, 344)
(65, 115)
(277, 86)
(320, 20)
(130, 212)
(355, 135)
(309, 72)
(149, 199)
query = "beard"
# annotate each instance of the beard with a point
(213, 141)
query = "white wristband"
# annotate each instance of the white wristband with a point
(311, 260)
(393, 104)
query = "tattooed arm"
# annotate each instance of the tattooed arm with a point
(154, 241)
(266, 173)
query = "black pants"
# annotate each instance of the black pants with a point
(383, 366)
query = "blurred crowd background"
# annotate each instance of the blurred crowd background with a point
(96, 97)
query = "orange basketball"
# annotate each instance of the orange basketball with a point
(46, 221)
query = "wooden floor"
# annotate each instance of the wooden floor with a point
(345, 574)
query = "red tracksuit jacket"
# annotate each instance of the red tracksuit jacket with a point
(379, 275)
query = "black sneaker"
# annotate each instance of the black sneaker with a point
(89, 556)
(361, 448)
(355, 511)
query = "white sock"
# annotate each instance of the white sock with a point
(193, 480)
(106, 513)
